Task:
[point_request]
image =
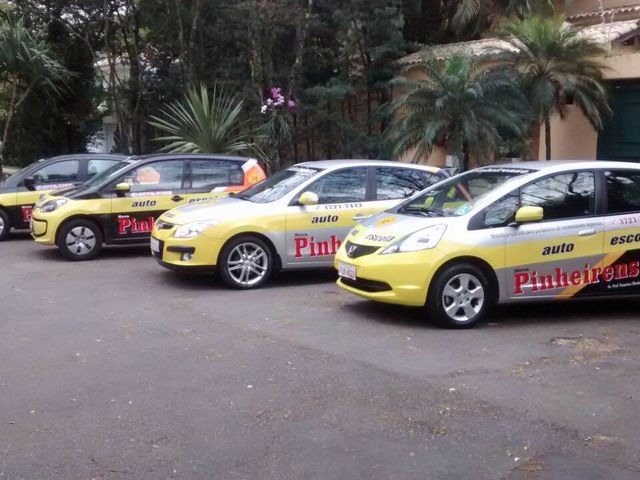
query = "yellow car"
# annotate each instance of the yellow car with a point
(519, 232)
(294, 220)
(121, 208)
(20, 191)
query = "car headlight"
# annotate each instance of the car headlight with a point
(194, 229)
(52, 205)
(421, 240)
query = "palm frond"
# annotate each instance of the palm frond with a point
(205, 122)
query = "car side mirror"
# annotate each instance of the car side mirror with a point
(29, 183)
(529, 214)
(308, 199)
(122, 188)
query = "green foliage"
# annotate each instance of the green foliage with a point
(204, 123)
(335, 58)
(471, 17)
(459, 106)
(555, 63)
(27, 66)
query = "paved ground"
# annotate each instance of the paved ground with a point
(118, 369)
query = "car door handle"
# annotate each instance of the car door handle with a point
(177, 198)
(359, 217)
(586, 232)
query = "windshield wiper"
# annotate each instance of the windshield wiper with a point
(241, 196)
(424, 211)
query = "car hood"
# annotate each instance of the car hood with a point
(387, 228)
(224, 208)
(69, 192)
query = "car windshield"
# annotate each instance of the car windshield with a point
(105, 174)
(457, 196)
(277, 186)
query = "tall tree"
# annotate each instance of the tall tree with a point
(471, 17)
(557, 66)
(459, 106)
(27, 64)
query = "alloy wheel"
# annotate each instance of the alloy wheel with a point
(247, 264)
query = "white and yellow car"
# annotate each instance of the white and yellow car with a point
(518, 232)
(293, 220)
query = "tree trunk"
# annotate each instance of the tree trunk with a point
(301, 36)
(191, 72)
(547, 137)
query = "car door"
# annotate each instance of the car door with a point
(622, 233)
(212, 178)
(314, 233)
(562, 254)
(54, 176)
(154, 188)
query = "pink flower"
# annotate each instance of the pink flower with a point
(291, 104)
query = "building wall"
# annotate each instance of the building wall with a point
(583, 6)
(574, 138)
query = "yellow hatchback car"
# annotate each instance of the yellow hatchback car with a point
(295, 219)
(499, 234)
(121, 207)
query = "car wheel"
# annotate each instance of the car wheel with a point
(246, 262)
(5, 225)
(80, 240)
(459, 296)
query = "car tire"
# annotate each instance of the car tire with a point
(459, 297)
(5, 225)
(80, 240)
(246, 262)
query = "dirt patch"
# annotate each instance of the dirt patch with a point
(531, 468)
(589, 348)
(599, 440)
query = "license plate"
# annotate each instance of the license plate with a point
(155, 245)
(347, 271)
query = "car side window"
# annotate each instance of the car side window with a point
(155, 176)
(393, 183)
(566, 195)
(501, 212)
(59, 172)
(343, 186)
(99, 165)
(623, 191)
(209, 174)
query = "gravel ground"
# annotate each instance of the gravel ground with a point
(118, 369)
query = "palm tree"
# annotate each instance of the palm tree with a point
(474, 16)
(27, 65)
(205, 123)
(556, 65)
(458, 106)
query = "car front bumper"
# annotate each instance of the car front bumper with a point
(198, 254)
(399, 278)
(44, 228)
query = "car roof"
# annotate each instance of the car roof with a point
(169, 156)
(329, 164)
(82, 156)
(561, 165)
